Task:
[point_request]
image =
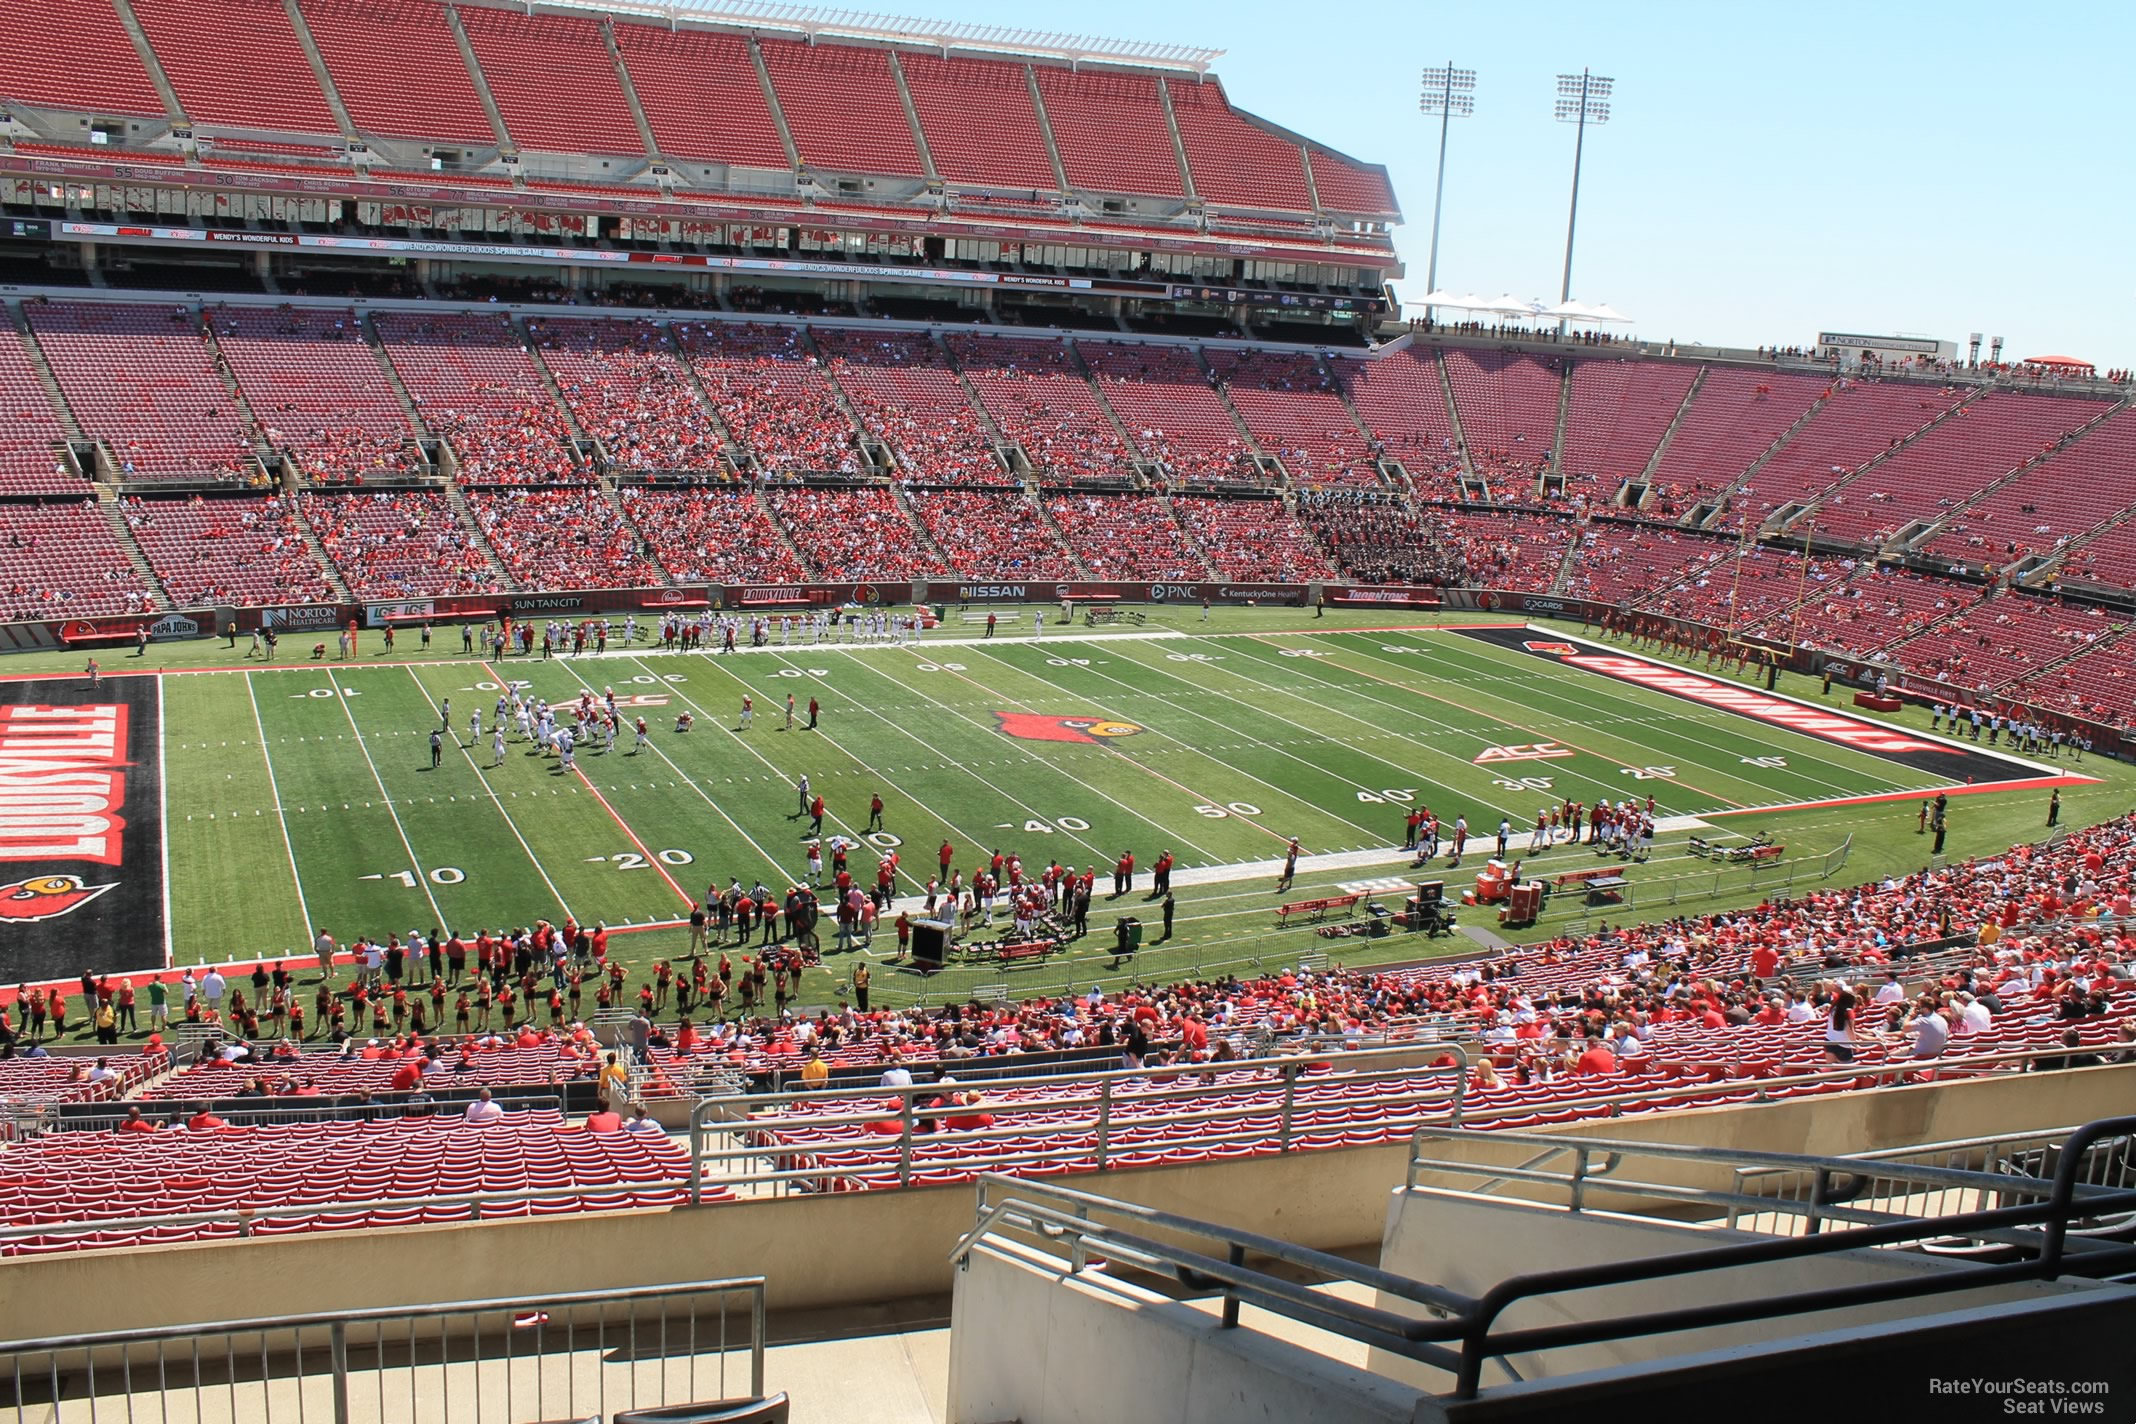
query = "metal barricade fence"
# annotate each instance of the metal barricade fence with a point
(776, 1140)
(570, 1355)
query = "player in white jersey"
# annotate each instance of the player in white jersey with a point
(474, 728)
(497, 745)
(526, 724)
(630, 630)
(564, 745)
(645, 738)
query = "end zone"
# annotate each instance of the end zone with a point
(1965, 767)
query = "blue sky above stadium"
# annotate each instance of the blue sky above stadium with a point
(1768, 171)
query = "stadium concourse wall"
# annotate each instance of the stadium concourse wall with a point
(870, 1247)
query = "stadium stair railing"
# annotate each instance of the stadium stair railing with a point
(576, 1355)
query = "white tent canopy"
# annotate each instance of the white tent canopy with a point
(1584, 311)
(1455, 301)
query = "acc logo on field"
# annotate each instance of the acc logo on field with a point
(46, 897)
(1534, 751)
(1035, 727)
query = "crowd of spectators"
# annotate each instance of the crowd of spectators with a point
(1620, 560)
(908, 397)
(1258, 539)
(772, 396)
(392, 544)
(227, 550)
(720, 535)
(1127, 536)
(522, 440)
(1040, 400)
(989, 535)
(630, 392)
(854, 533)
(1518, 549)
(1380, 538)
(562, 538)
(349, 455)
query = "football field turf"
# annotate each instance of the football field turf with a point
(302, 795)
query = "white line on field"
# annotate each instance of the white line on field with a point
(422, 878)
(275, 789)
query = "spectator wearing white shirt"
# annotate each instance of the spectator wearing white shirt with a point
(1973, 1017)
(484, 1109)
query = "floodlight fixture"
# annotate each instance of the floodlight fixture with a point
(1582, 99)
(1449, 92)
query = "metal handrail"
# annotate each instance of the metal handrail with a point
(1047, 1210)
(1460, 1332)
(338, 1323)
(734, 1115)
(2052, 1215)
(1671, 1087)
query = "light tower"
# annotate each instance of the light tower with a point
(1451, 94)
(1582, 99)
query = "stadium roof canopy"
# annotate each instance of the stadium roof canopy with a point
(812, 23)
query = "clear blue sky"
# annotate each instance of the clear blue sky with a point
(1768, 171)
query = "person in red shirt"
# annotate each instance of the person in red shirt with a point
(406, 1076)
(1124, 874)
(1596, 1058)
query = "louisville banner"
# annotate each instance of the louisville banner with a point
(1036, 727)
(81, 828)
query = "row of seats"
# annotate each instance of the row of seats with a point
(557, 88)
(87, 1189)
(314, 387)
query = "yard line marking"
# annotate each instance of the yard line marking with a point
(918, 803)
(1475, 655)
(414, 864)
(1604, 786)
(1377, 728)
(784, 780)
(1252, 740)
(1560, 739)
(288, 846)
(703, 795)
(509, 823)
(650, 859)
(1165, 832)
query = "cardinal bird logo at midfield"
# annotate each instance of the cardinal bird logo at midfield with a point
(46, 897)
(1035, 727)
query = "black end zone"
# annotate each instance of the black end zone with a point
(1958, 765)
(81, 828)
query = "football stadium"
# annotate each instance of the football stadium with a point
(724, 712)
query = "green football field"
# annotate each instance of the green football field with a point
(302, 797)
